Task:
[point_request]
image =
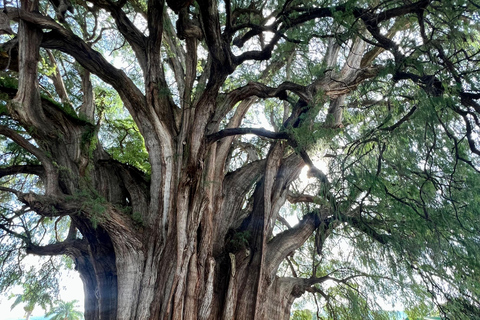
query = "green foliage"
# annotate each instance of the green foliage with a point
(89, 139)
(419, 311)
(92, 204)
(239, 240)
(460, 308)
(34, 294)
(65, 311)
(302, 315)
(39, 284)
(8, 81)
(125, 143)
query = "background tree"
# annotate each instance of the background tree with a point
(64, 310)
(35, 293)
(159, 146)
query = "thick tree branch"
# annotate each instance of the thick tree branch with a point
(58, 80)
(289, 18)
(22, 169)
(470, 136)
(176, 53)
(297, 198)
(289, 240)
(155, 32)
(282, 23)
(236, 185)
(372, 22)
(396, 12)
(259, 55)
(262, 91)
(68, 247)
(218, 49)
(241, 131)
(52, 205)
(50, 107)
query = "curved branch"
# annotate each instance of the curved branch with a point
(399, 123)
(241, 131)
(289, 240)
(68, 247)
(22, 142)
(262, 91)
(470, 136)
(282, 23)
(18, 169)
(236, 185)
(400, 11)
(264, 54)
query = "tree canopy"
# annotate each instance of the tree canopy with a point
(168, 149)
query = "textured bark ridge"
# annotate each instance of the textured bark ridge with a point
(193, 240)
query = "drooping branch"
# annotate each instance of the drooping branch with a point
(470, 136)
(51, 173)
(401, 121)
(365, 226)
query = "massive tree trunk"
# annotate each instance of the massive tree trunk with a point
(195, 252)
(192, 240)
